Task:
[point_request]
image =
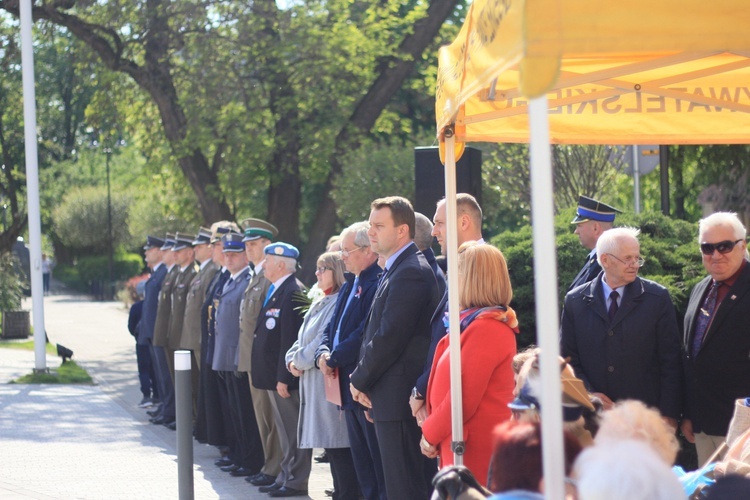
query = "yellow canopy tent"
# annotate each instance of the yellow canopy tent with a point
(573, 71)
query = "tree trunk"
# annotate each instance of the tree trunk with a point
(394, 71)
(155, 78)
(676, 164)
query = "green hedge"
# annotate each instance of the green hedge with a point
(91, 269)
(669, 247)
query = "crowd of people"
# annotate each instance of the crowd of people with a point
(359, 364)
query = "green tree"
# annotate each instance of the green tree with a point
(81, 220)
(253, 95)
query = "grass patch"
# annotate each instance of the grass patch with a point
(67, 373)
(27, 346)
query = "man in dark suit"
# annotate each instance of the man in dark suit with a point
(279, 322)
(151, 298)
(621, 331)
(395, 344)
(339, 348)
(212, 424)
(592, 219)
(716, 340)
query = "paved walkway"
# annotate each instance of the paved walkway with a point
(93, 442)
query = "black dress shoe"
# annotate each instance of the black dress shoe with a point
(157, 420)
(285, 491)
(171, 425)
(243, 472)
(269, 488)
(230, 468)
(322, 458)
(261, 480)
(222, 462)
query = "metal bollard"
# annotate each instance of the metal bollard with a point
(184, 417)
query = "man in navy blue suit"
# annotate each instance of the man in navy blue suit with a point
(395, 345)
(339, 349)
(151, 292)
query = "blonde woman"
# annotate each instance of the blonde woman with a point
(488, 344)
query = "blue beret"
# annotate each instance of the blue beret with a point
(281, 249)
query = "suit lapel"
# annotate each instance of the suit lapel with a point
(740, 288)
(633, 296)
(594, 297)
(692, 310)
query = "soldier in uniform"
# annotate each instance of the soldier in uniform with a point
(184, 261)
(235, 393)
(163, 365)
(196, 295)
(258, 234)
(592, 219)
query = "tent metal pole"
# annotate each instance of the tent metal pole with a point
(545, 295)
(451, 214)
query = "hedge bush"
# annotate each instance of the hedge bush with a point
(668, 245)
(91, 269)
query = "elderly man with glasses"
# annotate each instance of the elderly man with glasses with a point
(717, 336)
(621, 331)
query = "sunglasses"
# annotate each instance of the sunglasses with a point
(722, 247)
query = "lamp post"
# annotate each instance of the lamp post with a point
(110, 291)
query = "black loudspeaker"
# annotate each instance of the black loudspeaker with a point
(429, 178)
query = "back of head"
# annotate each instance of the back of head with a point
(484, 280)
(516, 462)
(466, 204)
(423, 231)
(625, 470)
(633, 420)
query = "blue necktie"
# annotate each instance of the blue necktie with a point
(268, 295)
(352, 293)
(613, 305)
(705, 314)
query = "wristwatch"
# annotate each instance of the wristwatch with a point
(416, 395)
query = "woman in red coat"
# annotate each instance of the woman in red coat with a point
(488, 344)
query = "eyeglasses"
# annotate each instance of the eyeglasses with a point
(632, 261)
(347, 253)
(723, 247)
(321, 270)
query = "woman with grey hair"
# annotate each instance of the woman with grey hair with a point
(320, 423)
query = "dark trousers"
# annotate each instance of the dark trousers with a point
(146, 374)
(365, 454)
(250, 447)
(164, 382)
(403, 467)
(345, 484)
(209, 425)
(225, 412)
